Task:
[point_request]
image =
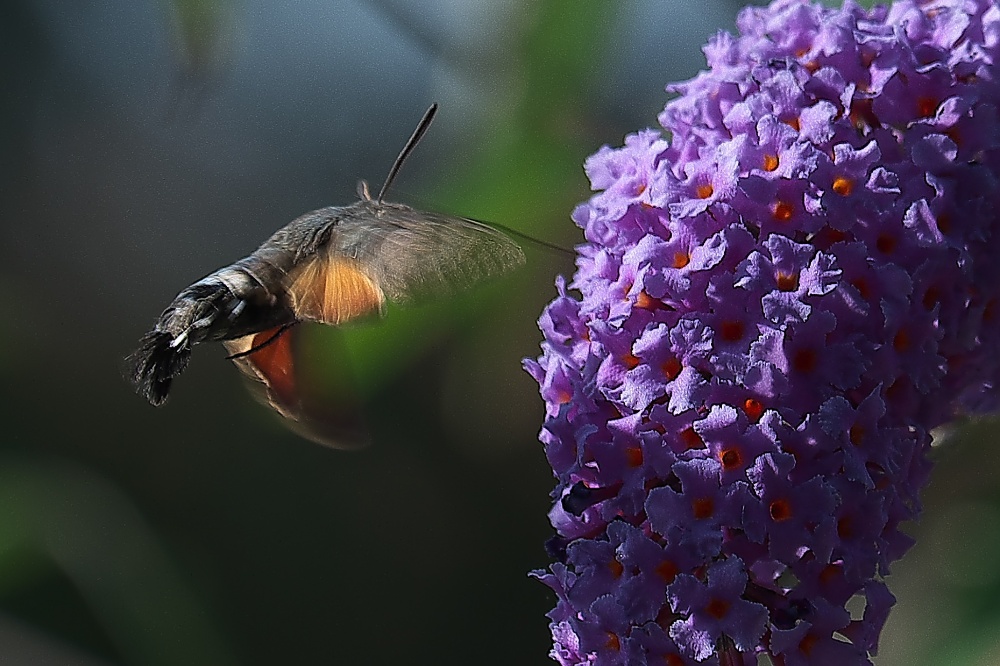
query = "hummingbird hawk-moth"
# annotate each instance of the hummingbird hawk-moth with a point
(331, 266)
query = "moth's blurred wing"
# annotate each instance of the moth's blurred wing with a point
(375, 252)
(410, 254)
(279, 377)
(333, 289)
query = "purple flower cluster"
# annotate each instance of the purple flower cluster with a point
(778, 303)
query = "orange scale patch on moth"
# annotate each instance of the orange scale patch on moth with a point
(843, 186)
(805, 361)
(681, 259)
(704, 191)
(717, 608)
(702, 508)
(753, 408)
(782, 211)
(275, 361)
(691, 439)
(667, 570)
(731, 458)
(732, 331)
(633, 456)
(780, 510)
(786, 281)
(770, 162)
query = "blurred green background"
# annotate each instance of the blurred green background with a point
(145, 144)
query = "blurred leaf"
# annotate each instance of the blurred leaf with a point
(200, 30)
(62, 516)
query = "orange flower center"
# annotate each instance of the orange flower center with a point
(856, 434)
(667, 570)
(901, 342)
(843, 186)
(780, 510)
(753, 409)
(805, 361)
(645, 301)
(731, 331)
(730, 458)
(926, 106)
(885, 244)
(783, 211)
(702, 508)
(691, 439)
(717, 608)
(787, 282)
(671, 368)
(944, 223)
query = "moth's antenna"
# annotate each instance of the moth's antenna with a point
(418, 134)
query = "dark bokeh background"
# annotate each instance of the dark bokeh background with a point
(143, 145)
